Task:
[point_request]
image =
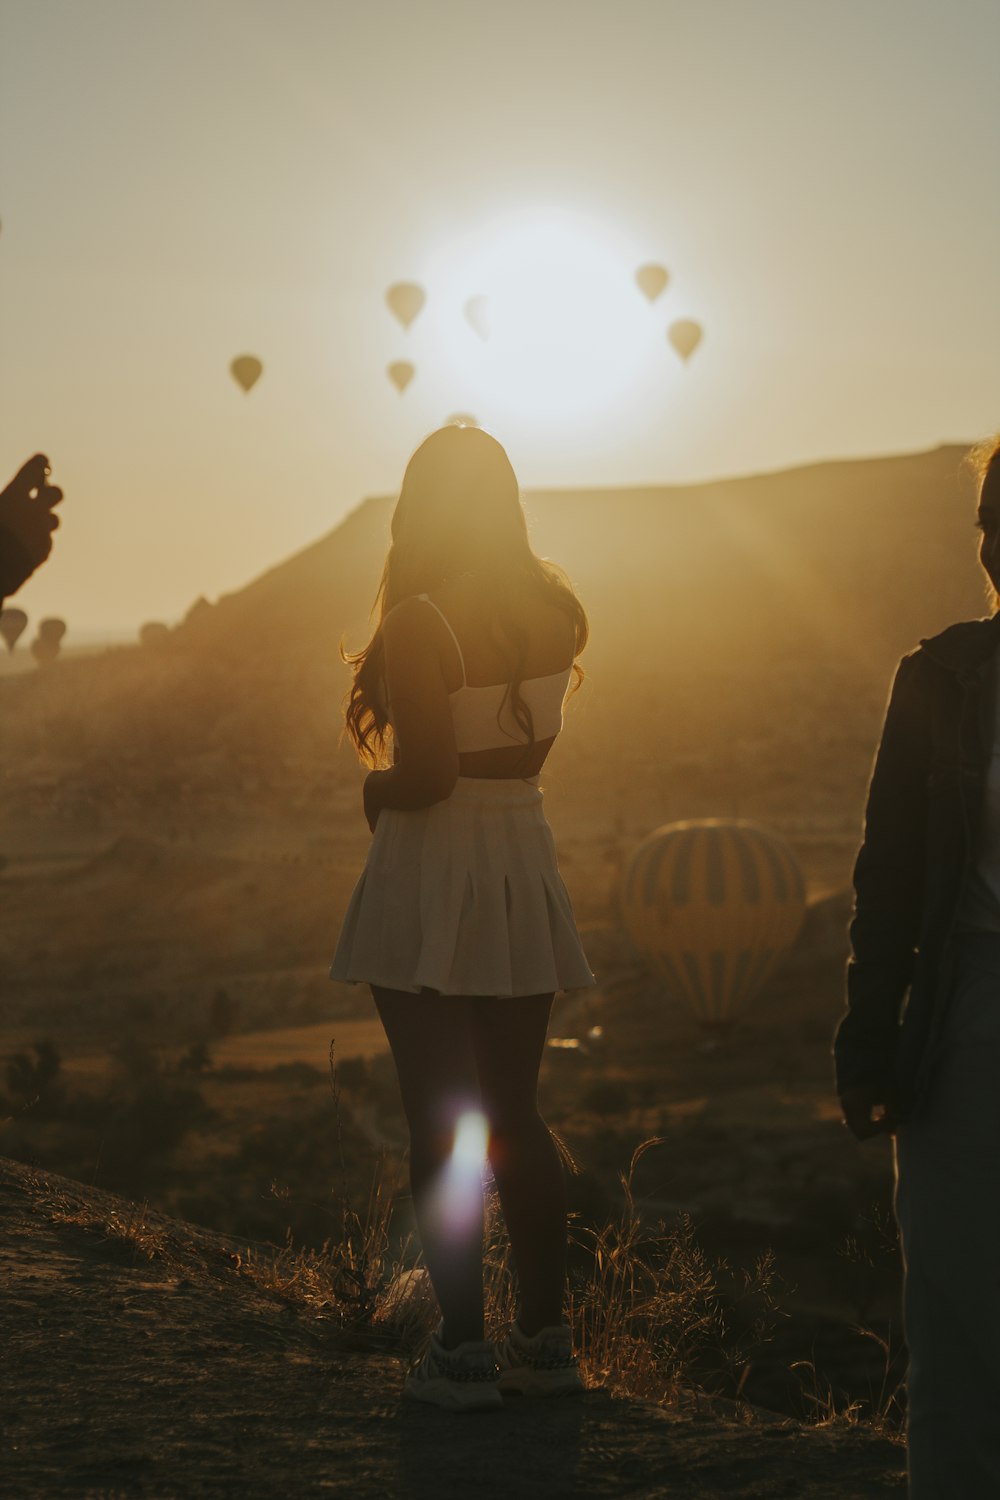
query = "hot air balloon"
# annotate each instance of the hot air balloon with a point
(711, 905)
(246, 370)
(52, 631)
(400, 372)
(12, 623)
(477, 315)
(651, 280)
(405, 299)
(685, 335)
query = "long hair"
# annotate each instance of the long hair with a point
(984, 462)
(459, 512)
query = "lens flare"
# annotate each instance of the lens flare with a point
(456, 1200)
(469, 1150)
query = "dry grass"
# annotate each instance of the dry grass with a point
(653, 1316)
(352, 1276)
(128, 1228)
(883, 1412)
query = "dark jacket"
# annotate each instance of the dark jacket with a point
(922, 826)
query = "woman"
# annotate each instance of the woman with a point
(927, 921)
(460, 922)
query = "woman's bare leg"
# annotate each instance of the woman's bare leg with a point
(431, 1047)
(508, 1037)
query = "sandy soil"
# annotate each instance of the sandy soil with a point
(146, 1357)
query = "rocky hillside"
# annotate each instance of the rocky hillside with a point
(145, 1357)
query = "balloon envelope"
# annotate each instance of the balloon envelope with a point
(12, 624)
(52, 630)
(401, 372)
(246, 370)
(685, 335)
(652, 280)
(405, 300)
(712, 905)
(477, 315)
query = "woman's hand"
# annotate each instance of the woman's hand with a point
(867, 1111)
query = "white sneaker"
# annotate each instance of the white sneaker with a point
(460, 1379)
(541, 1366)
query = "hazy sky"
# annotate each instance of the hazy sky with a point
(182, 181)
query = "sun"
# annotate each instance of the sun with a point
(546, 326)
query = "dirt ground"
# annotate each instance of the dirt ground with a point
(144, 1357)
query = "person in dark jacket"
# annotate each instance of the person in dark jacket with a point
(27, 522)
(918, 1050)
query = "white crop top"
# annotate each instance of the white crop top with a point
(483, 716)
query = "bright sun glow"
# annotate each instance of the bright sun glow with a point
(551, 329)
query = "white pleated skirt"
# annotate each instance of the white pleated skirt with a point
(464, 898)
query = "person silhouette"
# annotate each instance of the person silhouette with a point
(461, 923)
(926, 931)
(27, 522)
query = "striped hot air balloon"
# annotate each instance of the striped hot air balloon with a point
(711, 905)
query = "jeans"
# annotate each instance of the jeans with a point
(948, 1209)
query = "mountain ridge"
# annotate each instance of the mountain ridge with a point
(345, 562)
(743, 636)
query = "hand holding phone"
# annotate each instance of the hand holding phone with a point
(27, 521)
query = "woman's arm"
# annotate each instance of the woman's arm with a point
(426, 766)
(889, 887)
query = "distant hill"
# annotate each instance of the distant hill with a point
(877, 550)
(743, 635)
